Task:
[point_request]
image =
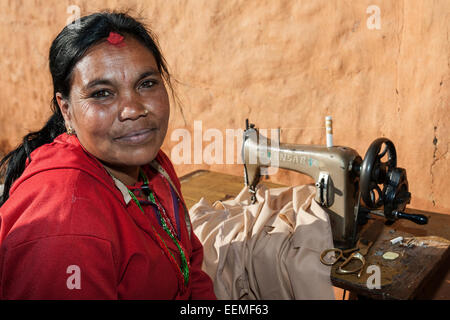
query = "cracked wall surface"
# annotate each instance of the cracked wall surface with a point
(281, 63)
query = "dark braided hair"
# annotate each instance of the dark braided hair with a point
(66, 50)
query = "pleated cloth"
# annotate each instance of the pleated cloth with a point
(267, 250)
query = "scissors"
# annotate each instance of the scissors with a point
(356, 253)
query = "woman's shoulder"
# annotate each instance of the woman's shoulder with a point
(167, 165)
(60, 192)
(57, 203)
(64, 159)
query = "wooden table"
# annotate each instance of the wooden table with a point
(416, 273)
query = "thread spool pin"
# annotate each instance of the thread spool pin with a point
(329, 131)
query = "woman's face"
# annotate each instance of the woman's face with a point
(118, 104)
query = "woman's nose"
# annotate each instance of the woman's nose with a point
(131, 109)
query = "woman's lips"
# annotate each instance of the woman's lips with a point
(137, 137)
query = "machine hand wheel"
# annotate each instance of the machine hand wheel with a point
(375, 172)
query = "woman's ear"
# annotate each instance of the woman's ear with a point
(64, 106)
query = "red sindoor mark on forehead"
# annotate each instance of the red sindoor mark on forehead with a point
(116, 39)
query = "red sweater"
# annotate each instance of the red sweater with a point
(66, 232)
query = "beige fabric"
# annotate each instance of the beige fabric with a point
(268, 250)
(123, 189)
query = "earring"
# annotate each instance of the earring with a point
(146, 112)
(70, 131)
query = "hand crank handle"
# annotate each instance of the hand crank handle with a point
(416, 218)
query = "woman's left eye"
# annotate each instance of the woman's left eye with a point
(148, 84)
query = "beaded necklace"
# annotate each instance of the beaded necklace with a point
(184, 268)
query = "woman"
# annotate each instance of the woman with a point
(92, 207)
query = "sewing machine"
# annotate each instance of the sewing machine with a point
(347, 186)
